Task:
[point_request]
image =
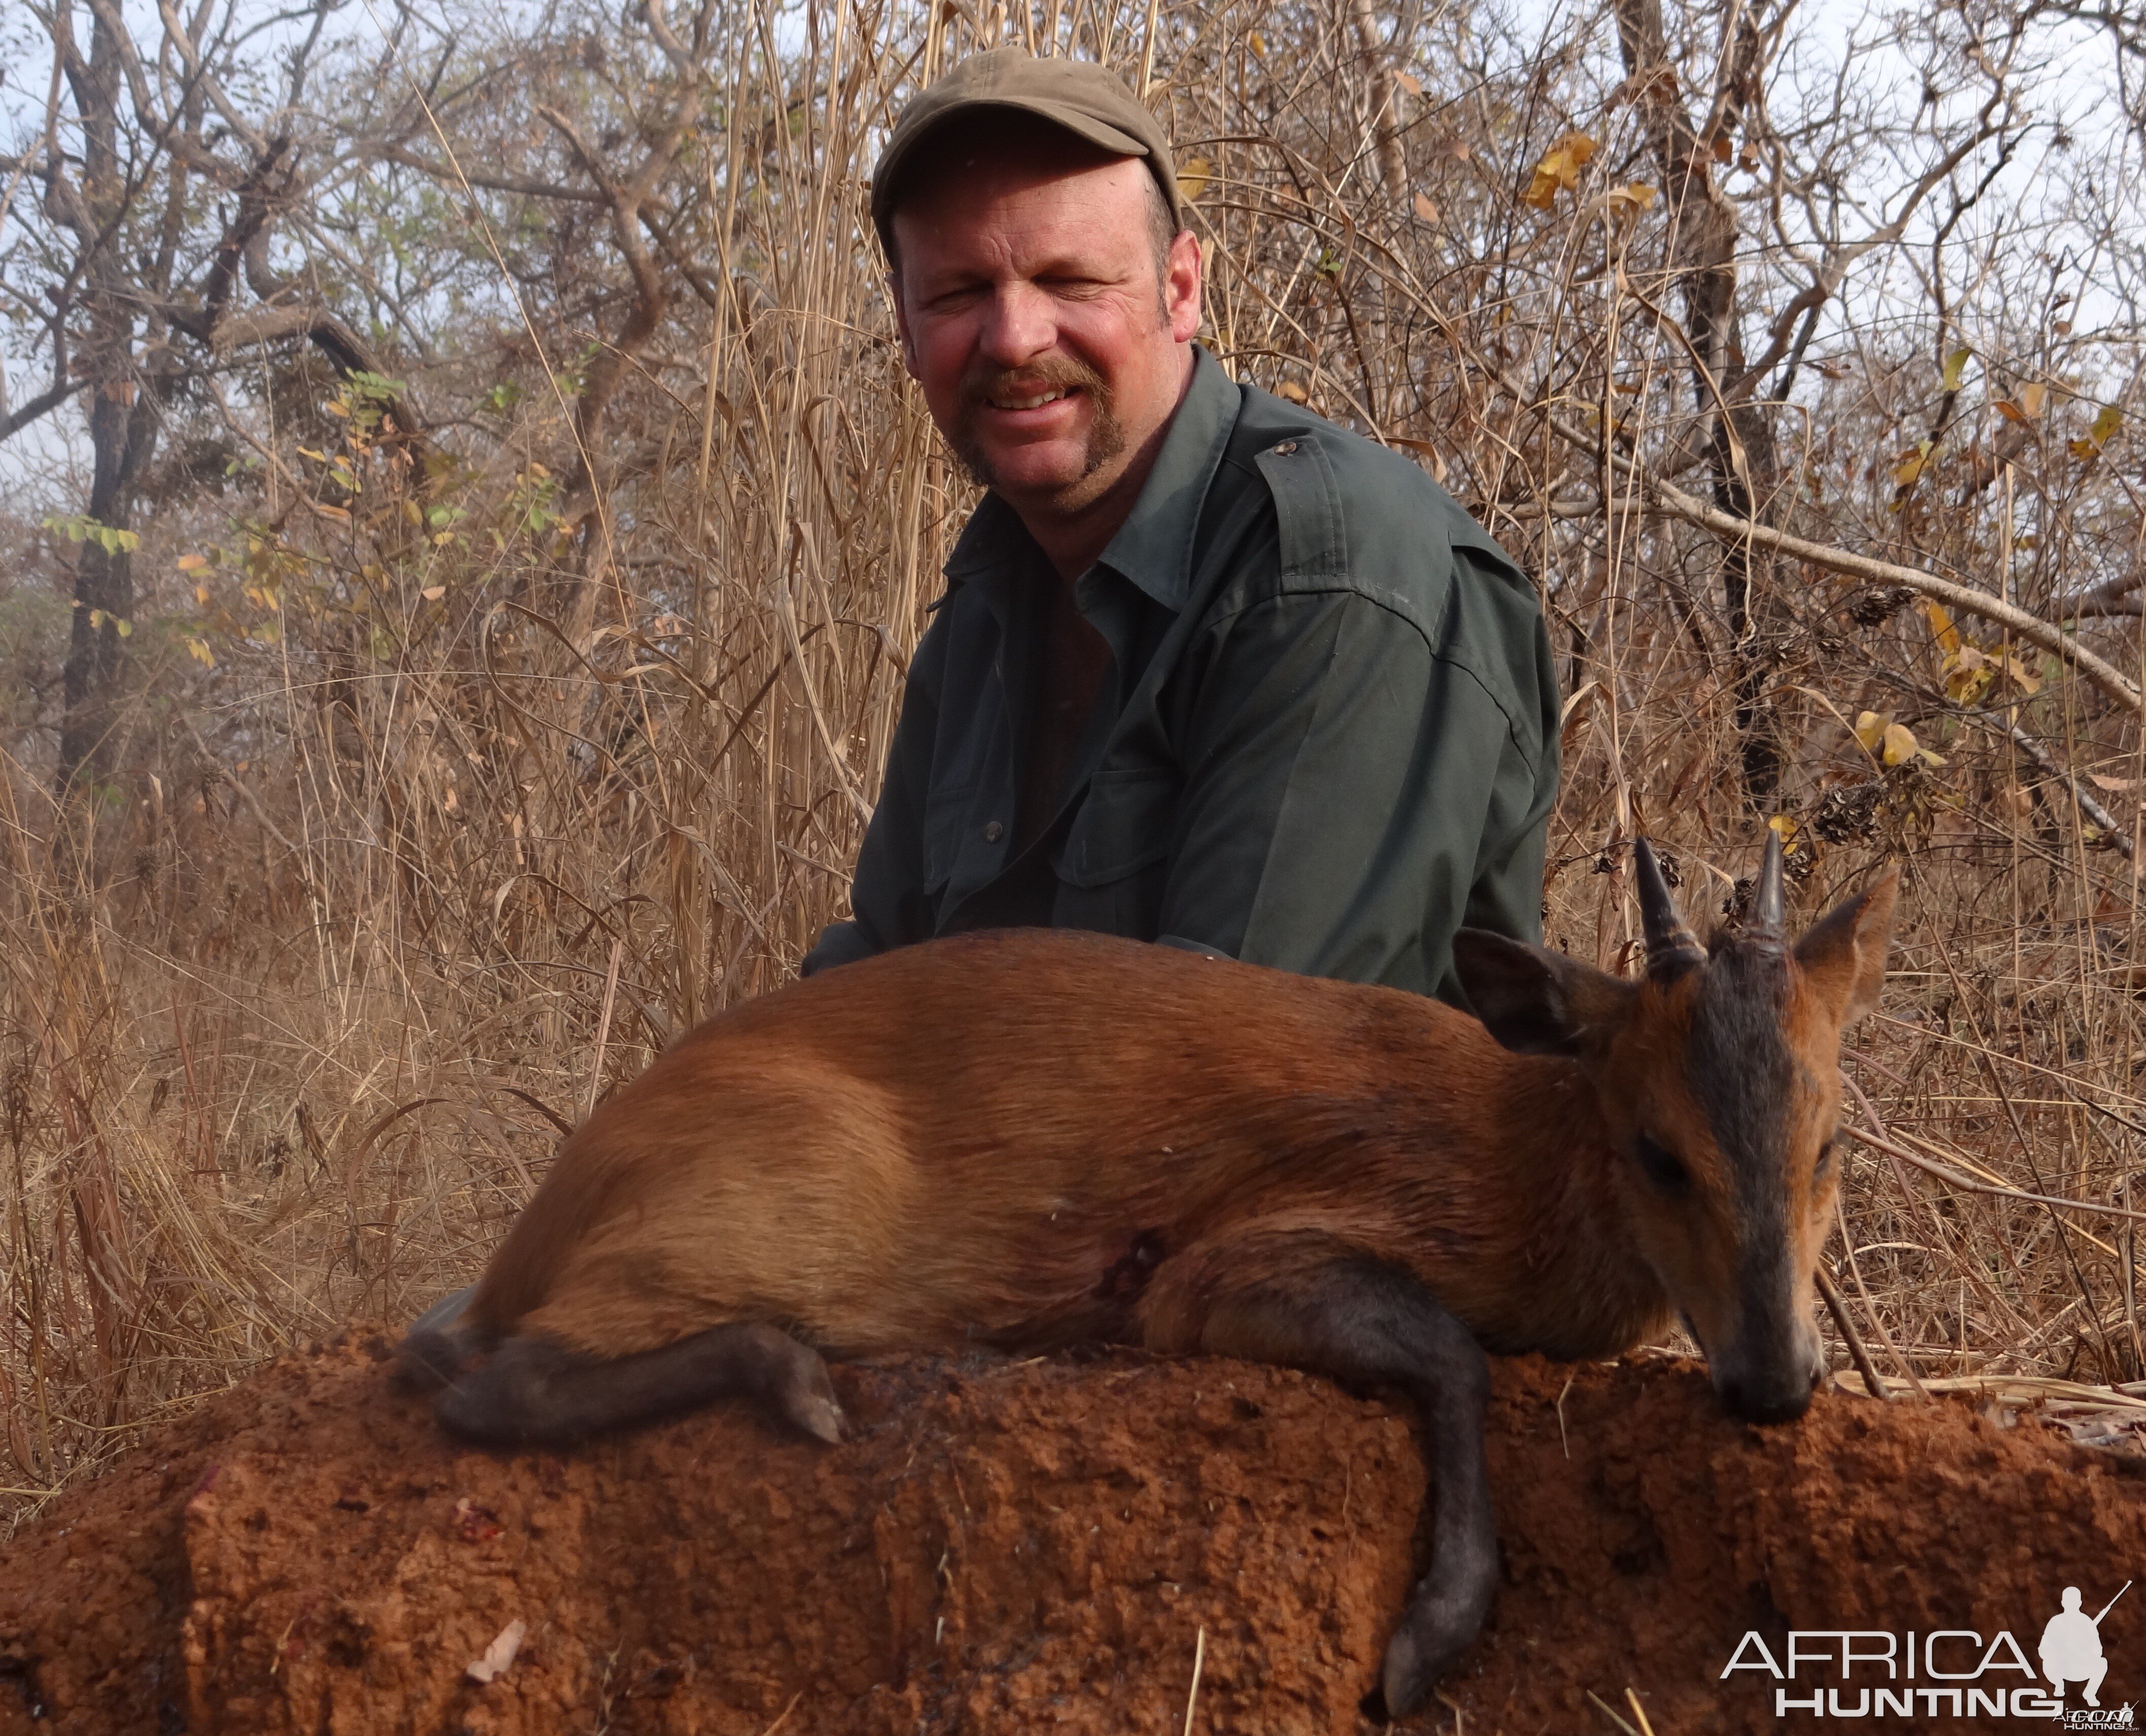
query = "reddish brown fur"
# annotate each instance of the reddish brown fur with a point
(1030, 1138)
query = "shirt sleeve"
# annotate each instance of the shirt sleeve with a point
(888, 907)
(1355, 793)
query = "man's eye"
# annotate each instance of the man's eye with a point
(1662, 1166)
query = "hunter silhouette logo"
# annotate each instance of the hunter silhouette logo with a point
(2071, 1647)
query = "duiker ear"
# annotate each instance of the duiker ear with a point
(1843, 956)
(1533, 1000)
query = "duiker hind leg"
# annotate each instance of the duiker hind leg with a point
(1313, 1301)
(536, 1392)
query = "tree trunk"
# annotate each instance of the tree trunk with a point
(123, 428)
(1744, 458)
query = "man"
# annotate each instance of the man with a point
(1209, 670)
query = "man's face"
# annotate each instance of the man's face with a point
(1049, 341)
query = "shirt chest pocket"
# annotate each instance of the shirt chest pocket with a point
(1124, 825)
(946, 830)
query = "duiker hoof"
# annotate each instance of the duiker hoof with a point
(819, 1417)
(1441, 1623)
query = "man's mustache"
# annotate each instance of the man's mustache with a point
(1047, 373)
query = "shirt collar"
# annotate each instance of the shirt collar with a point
(1153, 547)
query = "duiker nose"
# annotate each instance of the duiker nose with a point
(1775, 1396)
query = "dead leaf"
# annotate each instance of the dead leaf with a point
(1968, 675)
(1940, 618)
(1290, 390)
(2104, 430)
(1425, 209)
(1955, 368)
(499, 1655)
(1410, 82)
(1193, 175)
(1722, 146)
(1559, 170)
(2116, 785)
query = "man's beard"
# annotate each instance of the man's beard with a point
(1106, 434)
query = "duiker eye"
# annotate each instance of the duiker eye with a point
(1662, 1166)
(1822, 1165)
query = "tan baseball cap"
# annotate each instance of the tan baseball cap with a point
(1089, 101)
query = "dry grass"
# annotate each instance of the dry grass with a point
(474, 810)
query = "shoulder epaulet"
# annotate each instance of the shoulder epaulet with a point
(1307, 497)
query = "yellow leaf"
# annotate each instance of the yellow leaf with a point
(2010, 411)
(201, 653)
(1911, 464)
(1870, 727)
(2031, 398)
(433, 593)
(335, 409)
(1290, 390)
(2083, 449)
(1786, 828)
(193, 563)
(200, 595)
(1193, 175)
(1900, 745)
(1947, 635)
(1635, 194)
(1968, 674)
(1425, 209)
(1955, 368)
(306, 452)
(2105, 425)
(125, 629)
(2025, 678)
(1258, 44)
(1559, 170)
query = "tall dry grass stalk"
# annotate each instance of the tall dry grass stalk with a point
(449, 798)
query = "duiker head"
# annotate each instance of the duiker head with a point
(1718, 1073)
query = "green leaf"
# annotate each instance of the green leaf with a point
(1955, 368)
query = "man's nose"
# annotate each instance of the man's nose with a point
(1020, 325)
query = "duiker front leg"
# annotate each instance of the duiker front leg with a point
(536, 1392)
(1310, 1300)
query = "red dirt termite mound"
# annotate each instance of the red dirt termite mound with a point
(1009, 1547)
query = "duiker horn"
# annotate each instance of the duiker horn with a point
(1672, 949)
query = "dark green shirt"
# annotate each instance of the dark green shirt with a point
(1328, 740)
